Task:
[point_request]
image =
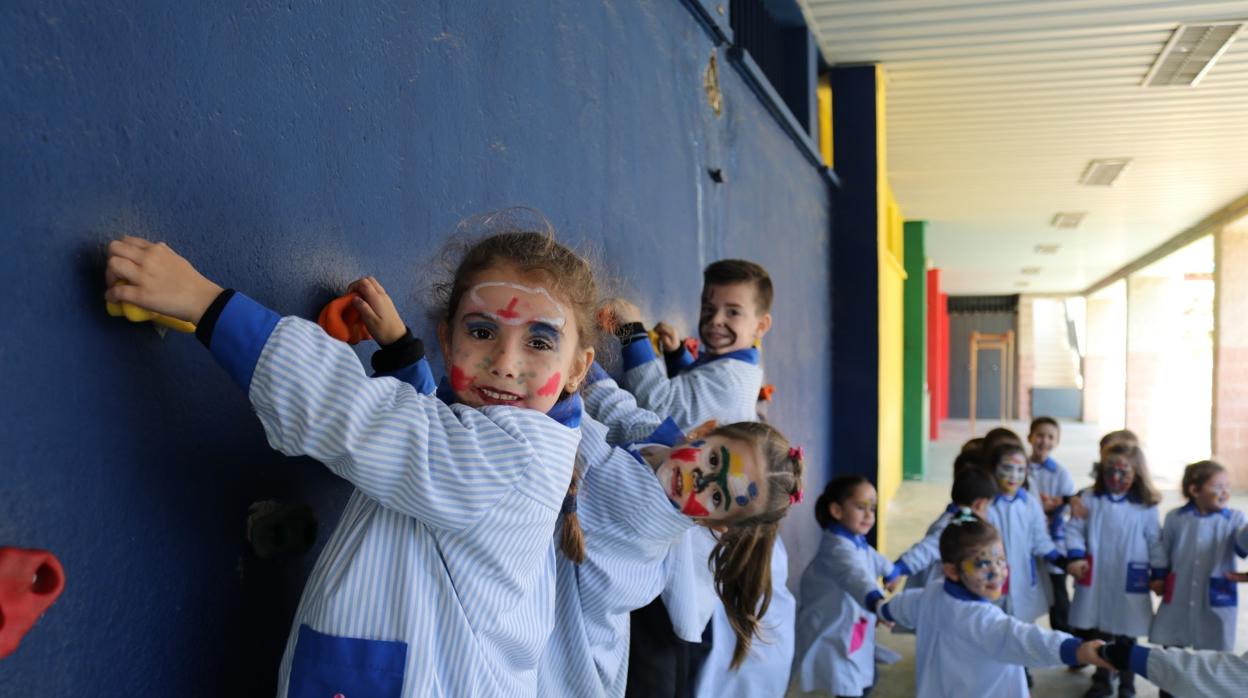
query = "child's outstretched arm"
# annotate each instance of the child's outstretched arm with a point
(1182, 671)
(845, 565)
(401, 355)
(1011, 641)
(903, 609)
(617, 408)
(408, 451)
(922, 554)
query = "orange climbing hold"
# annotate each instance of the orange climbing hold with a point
(30, 581)
(765, 392)
(342, 321)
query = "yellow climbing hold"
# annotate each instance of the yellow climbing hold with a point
(134, 313)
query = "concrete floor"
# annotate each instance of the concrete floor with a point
(918, 503)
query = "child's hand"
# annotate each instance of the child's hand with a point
(377, 311)
(879, 620)
(623, 311)
(1157, 586)
(1237, 576)
(1077, 568)
(157, 279)
(669, 340)
(1077, 509)
(1089, 653)
(890, 587)
(1050, 503)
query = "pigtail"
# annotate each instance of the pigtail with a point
(741, 561)
(571, 536)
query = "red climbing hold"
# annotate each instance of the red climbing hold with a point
(30, 581)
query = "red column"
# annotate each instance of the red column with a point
(937, 352)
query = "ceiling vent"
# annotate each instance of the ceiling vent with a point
(1066, 219)
(1044, 248)
(1190, 53)
(1103, 172)
(1030, 271)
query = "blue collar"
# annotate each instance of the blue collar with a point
(1117, 499)
(958, 591)
(666, 434)
(1049, 464)
(566, 411)
(1020, 494)
(859, 542)
(1190, 508)
(749, 355)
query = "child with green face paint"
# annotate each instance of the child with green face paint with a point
(966, 645)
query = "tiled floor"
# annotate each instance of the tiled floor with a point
(918, 503)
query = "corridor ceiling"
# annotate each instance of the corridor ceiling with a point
(995, 108)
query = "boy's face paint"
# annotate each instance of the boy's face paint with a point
(510, 343)
(1119, 475)
(729, 319)
(1214, 494)
(1042, 439)
(1012, 473)
(713, 478)
(984, 570)
(858, 512)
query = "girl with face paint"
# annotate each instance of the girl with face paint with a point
(840, 591)
(1201, 541)
(440, 571)
(1018, 516)
(1114, 553)
(966, 645)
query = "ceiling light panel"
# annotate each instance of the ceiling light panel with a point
(1190, 53)
(1067, 220)
(1045, 248)
(1103, 172)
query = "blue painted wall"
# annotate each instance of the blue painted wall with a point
(287, 148)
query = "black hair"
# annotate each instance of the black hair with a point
(973, 484)
(1041, 421)
(965, 533)
(838, 491)
(967, 460)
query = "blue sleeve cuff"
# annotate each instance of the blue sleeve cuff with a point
(597, 372)
(1070, 650)
(901, 567)
(417, 375)
(872, 598)
(1138, 660)
(637, 353)
(1240, 551)
(887, 614)
(1052, 556)
(240, 335)
(1076, 554)
(678, 360)
(1160, 573)
(892, 574)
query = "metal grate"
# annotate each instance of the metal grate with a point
(1190, 53)
(982, 304)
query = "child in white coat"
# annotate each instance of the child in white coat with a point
(835, 650)
(1113, 553)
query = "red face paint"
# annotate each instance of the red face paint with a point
(459, 381)
(685, 455)
(551, 387)
(694, 508)
(509, 313)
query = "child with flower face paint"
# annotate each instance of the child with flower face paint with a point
(444, 545)
(1114, 552)
(836, 619)
(1201, 541)
(1017, 515)
(966, 645)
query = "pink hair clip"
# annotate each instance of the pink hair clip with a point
(796, 453)
(795, 498)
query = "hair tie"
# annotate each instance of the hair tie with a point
(796, 453)
(795, 497)
(569, 505)
(964, 515)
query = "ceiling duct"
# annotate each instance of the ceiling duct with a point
(1190, 53)
(1067, 219)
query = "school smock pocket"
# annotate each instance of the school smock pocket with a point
(1086, 579)
(1168, 593)
(1137, 577)
(327, 666)
(1222, 592)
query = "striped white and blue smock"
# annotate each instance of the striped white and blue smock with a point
(1199, 606)
(1194, 673)
(921, 561)
(1121, 538)
(1052, 479)
(439, 579)
(629, 523)
(722, 387)
(967, 646)
(1025, 535)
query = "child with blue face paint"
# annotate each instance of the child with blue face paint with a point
(835, 646)
(439, 578)
(966, 645)
(1201, 540)
(1113, 553)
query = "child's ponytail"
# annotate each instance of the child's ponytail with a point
(741, 559)
(571, 537)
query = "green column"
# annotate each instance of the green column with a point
(914, 355)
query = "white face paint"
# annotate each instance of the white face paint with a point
(514, 304)
(1012, 472)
